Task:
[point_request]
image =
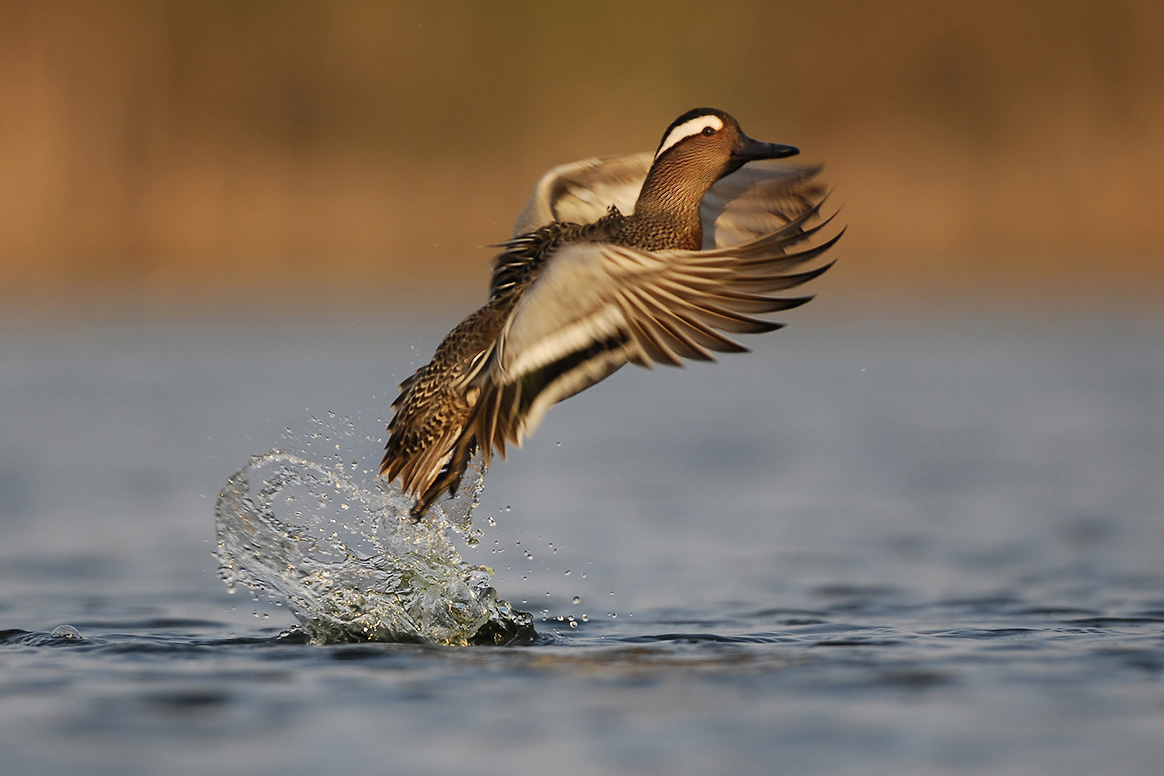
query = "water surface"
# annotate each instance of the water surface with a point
(912, 547)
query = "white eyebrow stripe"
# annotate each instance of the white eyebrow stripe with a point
(688, 128)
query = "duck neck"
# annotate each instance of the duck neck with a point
(667, 211)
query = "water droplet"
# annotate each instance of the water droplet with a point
(567, 573)
(577, 600)
(508, 508)
(585, 617)
(66, 632)
(492, 522)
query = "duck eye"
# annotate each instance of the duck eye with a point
(708, 131)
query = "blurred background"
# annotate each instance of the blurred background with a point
(207, 155)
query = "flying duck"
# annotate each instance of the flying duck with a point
(643, 258)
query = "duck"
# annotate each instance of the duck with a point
(640, 258)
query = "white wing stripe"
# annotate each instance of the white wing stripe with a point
(603, 323)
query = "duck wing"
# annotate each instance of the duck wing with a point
(597, 306)
(582, 192)
(760, 197)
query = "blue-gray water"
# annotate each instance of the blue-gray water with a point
(924, 546)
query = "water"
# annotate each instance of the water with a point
(350, 562)
(911, 547)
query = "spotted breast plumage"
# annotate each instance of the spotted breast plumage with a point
(643, 259)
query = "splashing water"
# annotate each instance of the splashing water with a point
(349, 562)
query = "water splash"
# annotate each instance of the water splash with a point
(350, 564)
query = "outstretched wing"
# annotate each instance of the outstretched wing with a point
(582, 192)
(597, 306)
(758, 198)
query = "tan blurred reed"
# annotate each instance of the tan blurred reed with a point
(361, 150)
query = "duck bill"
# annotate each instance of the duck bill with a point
(749, 150)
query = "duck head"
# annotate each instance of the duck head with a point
(700, 147)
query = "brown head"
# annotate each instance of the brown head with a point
(700, 147)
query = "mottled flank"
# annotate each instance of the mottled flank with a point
(693, 258)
